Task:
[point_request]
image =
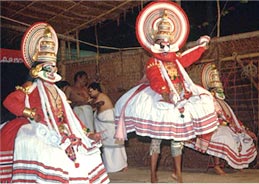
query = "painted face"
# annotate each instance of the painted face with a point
(49, 72)
(163, 46)
(219, 93)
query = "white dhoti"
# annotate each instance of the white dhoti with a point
(114, 154)
(85, 114)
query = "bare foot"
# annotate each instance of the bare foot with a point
(179, 179)
(154, 178)
(218, 170)
(125, 169)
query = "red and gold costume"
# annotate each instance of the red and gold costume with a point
(231, 141)
(168, 105)
(46, 142)
(153, 72)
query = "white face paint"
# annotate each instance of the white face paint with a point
(49, 72)
(162, 46)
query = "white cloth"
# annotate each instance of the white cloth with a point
(85, 114)
(147, 115)
(27, 156)
(237, 148)
(39, 152)
(114, 154)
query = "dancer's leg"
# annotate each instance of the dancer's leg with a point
(217, 167)
(154, 152)
(176, 149)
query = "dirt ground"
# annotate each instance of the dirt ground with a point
(142, 175)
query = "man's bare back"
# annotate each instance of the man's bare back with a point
(105, 102)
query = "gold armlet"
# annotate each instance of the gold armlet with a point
(23, 89)
(30, 113)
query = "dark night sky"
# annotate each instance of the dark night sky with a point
(237, 18)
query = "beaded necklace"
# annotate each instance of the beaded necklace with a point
(55, 99)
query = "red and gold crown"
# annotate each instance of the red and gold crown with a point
(164, 20)
(39, 44)
(164, 30)
(211, 77)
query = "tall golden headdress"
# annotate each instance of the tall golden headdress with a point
(163, 20)
(164, 29)
(211, 77)
(39, 44)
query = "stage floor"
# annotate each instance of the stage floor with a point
(142, 175)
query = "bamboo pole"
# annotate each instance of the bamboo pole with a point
(61, 67)
(231, 58)
(77, 45)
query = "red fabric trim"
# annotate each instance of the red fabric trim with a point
(26, 170)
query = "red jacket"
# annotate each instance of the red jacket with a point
(156, 80)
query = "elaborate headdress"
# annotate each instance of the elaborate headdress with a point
(162, 20)
(39, 44)
(165, 30)
(211, 79)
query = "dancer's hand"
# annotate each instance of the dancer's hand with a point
(251, 134)
(95, 136)
(204, 41)
(166, 97)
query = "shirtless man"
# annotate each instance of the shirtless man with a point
(113, 152)
(81, 101)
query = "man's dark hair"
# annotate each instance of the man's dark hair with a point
(62, 84)
(79, 74)
(95, 85)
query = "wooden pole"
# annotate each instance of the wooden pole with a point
(77, 45)
(61, 66)
(218, 21)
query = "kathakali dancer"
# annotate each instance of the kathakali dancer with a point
(232, 141)
(46, 143)
(168, 105)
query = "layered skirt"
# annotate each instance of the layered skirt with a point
(36, 158)
(142, 110)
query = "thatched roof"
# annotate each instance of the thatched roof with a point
(66, 17)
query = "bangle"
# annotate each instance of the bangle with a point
(225, 123)
(30, 113)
